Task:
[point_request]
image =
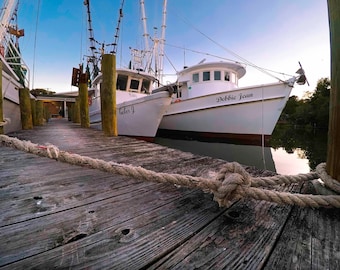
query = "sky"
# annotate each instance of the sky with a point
(274, 35)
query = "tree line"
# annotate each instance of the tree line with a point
(312, 111)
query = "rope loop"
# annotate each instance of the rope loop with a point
(326, 178)
(234, 181)
(4, 122)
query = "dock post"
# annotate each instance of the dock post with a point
(34, 111)
(1, 102)
(25, 108)
(47, 114)
(76, 111)
(333, 148)
(40, 112)
(108, 95)
(83, 101)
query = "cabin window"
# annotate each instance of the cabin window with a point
(145, 86)
(217, 75)
(226, 76)
(195, 77)
(121, 82)
(206, 76)
(134, 84)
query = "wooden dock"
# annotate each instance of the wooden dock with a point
(60, 216)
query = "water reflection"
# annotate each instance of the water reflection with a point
(292, 150)
(310, 144)
(251, 155)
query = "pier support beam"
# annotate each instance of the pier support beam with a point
(108, 95)
(34, 111)
(1, 102)
(76, 111)
(83, 101)
(25, 108)
(333, 150)
(40, 112)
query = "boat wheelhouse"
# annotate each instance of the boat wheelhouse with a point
(209, 78)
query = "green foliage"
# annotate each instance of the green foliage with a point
(41, 92)
(306, 141)
(312, 111)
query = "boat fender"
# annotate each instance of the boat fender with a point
(89, 100)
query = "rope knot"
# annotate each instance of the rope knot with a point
(52, 151)
(234, 180)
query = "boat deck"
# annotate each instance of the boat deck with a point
(55, 215)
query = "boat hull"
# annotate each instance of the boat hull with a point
(242, 114)
(138, 117)
(11, 107)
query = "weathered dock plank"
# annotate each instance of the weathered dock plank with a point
(310, 239)
(57, 215)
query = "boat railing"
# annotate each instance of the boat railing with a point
(10, 52)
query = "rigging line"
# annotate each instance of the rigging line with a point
(170, 62)
(35, 43)
(116, 36)
(226, 49)
(227, 59)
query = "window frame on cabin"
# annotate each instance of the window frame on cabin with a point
(206, 76)
(217, 75)
(195, 77)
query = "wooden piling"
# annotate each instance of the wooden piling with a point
(76, 111)
(25, 108)
(1, 102)
(34, 112)
(108, 95)
(47, 114)
(333, 150)
(83, 101)
(40, 112)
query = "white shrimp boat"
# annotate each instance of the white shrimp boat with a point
(140, 102)
(139, 111)
(209, 104)
(14, 70)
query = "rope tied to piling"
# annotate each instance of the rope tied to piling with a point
(4, 122)
(231, 183)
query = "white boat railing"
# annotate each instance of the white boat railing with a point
(13, 58)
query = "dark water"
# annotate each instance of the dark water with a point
(292, 150)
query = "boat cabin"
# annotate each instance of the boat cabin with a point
(132, 81)
(128, 81)
(208, 78)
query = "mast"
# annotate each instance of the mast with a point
(157, 51)
(93, 58)
(115, 43)
(146, 38)
(162, 42)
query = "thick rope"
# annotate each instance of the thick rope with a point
(231, 183)
(4, 122)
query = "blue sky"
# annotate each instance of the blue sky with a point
(270, 34)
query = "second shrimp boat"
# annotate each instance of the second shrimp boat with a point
(210, 105)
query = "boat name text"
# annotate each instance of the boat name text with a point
(234, 97)
(127, 110)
